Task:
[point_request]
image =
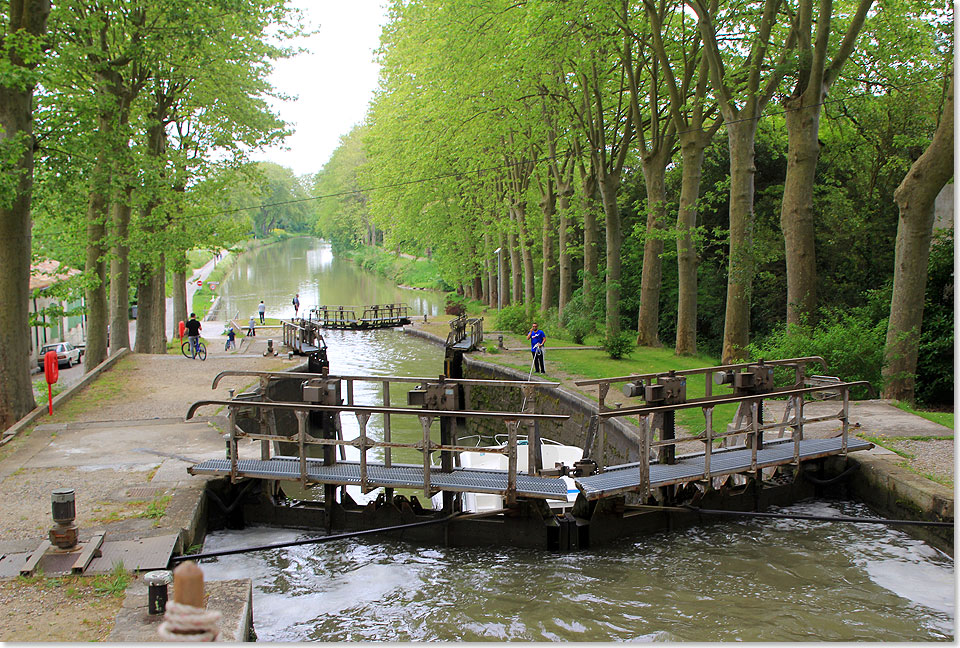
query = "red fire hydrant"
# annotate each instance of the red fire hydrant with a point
(51, 371)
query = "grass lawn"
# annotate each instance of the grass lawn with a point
(943, 418)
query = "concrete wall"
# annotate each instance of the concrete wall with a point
(622, 440)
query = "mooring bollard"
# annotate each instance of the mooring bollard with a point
(157, 582)
(185, 618)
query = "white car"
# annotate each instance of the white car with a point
(67, 354)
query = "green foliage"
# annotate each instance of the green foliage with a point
(943, 418)
(851, 343)
(935, 371)
(413, 273)
(620, 345)
(455, 304)
(578, 319)
(514, 318)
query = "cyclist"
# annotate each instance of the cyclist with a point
(193, 334)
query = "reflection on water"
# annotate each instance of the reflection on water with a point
(751, 580)
(304, 265)
(746, 580)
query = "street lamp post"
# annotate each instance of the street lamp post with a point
(499, 281)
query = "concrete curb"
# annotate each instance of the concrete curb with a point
(10, 433)
(232, 598)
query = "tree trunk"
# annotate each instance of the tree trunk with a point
(179, 279)
(503, 268)
(609, 185)
(16, 136)
(526, 255)
(151, 310)
(95, 269)
(740, 269)
(491, 264)
(692, 154)
(591, 237)
(120, 274)
(796, 215)
(648, 317)
(915, 198)
(564, 191)
(548, 204)
(515, 269)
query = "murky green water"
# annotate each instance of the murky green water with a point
(275, 273)
(734, 581)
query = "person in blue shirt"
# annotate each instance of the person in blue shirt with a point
(537, 337)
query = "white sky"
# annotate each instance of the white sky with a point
(334, 80)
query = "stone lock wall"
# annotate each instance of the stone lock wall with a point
(622, 440)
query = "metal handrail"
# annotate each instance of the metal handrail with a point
(753, 430)
(701, 370)
(364, 443)
(405, 379)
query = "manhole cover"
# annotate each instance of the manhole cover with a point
(144, 492)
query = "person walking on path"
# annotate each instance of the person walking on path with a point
(252, 328)
(537, 337)
(261, 309)
(231, 340)
(296, 304)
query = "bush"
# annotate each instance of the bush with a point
(935, 354)
(850, 342)
(620, 345)
(513, 318)
(579, 329)
(578, 319)
(455, 304)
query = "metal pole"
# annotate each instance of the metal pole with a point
(499, 252)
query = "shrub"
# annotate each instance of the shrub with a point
(578, 318)
(513, 318)
(620, 345)
(456, 304)
(579, 329)
(935, 353)
(850, 342)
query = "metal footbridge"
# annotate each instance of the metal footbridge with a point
(288, 428)
(401, 476)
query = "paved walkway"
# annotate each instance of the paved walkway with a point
(120, 444)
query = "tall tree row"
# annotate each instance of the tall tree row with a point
(523, 127)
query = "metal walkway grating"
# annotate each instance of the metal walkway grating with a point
(617, 480)
(470, 480)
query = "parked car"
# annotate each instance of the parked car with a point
(67, 354)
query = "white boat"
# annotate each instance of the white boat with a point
(553, 453)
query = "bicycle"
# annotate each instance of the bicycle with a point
(199, 352)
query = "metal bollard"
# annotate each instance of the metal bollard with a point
(157, 582)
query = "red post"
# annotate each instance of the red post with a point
(51, 371)
(181, 328)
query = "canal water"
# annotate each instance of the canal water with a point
(275, 273)
(748, 580)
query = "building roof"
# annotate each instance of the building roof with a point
(46, 273)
